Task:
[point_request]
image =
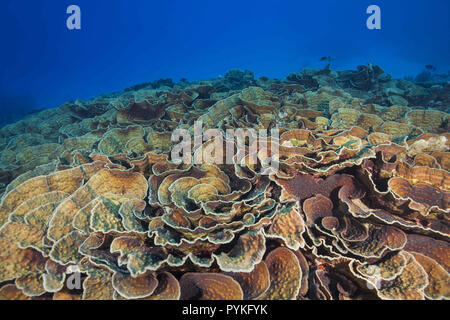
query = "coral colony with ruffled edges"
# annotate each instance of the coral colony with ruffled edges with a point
(358, 207)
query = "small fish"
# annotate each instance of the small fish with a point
(430, 67)
(34, 111)
(325, 58)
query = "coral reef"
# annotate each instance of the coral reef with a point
(359, 208)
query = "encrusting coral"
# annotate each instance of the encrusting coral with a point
(359, 208)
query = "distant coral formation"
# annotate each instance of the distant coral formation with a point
(359, 208)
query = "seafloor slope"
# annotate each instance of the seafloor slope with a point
(359, 208)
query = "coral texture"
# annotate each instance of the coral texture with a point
(359, 208)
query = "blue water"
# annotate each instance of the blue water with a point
(122, 43)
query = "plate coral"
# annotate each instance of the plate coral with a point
(359, 208)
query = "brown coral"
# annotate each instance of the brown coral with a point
(358, 208)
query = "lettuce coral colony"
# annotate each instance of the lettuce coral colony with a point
(359, 208)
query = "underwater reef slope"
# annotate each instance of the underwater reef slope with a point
(359, 208)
